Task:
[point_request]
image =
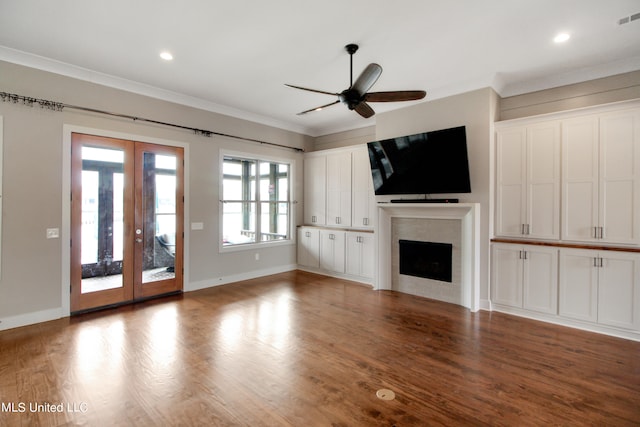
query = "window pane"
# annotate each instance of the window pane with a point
(90, 209)
(249, 180)
(238, 223)
(165, 162)
(274, 223)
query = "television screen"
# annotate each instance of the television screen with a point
(433, 162)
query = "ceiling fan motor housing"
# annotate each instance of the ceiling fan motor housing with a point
(351, 98)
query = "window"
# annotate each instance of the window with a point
(255, 201)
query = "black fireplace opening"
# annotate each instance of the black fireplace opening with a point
(429, 260)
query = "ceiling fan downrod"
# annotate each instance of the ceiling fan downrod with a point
(351, 49)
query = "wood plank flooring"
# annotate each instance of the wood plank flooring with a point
(299, 349)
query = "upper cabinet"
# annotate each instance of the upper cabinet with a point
(570, 177)
(338, 189)
(528, 181)
(601, 178)
(315, 187)
(363, 200)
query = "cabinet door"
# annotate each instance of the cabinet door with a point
(543, 181)
(578, 296)
(619, 289)
(314, 190)
(332, 250)
(540, 279)
(309, 247)
(511, 177)
(360, 254)
(339, 189)
(580, 179)
(507, 275)
(363, 203)
(619, 212)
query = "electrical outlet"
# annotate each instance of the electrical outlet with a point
(53, 233)
(257, 256)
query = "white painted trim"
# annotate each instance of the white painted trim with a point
(85, 74)
(568, 114)
(468, 213)
(65, 229)
(31, 318)
(225, 280)
(569, 323)
(293, 170)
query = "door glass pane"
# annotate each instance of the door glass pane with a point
(102, 219)
(159, 212)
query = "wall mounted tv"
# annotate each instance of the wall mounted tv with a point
(433, 162)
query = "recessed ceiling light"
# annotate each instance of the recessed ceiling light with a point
(561, 37)
(166, 56)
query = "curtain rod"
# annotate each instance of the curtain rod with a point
(59, 106)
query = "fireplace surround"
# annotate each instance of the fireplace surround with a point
(457, 224)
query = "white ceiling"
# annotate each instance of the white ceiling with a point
(234, 57)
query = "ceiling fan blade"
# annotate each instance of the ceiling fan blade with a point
(364, 110)
(395, 96)
(319, 108)
(367, 78)
(312, 90)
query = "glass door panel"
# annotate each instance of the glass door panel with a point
(100, 271)
(159, 206)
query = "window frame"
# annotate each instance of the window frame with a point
(290, 202)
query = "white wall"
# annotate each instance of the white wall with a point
(34, 269)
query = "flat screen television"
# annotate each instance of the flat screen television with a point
(433, 162)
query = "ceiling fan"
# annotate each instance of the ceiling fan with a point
(356, 97)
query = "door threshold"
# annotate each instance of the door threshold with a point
(124, 303)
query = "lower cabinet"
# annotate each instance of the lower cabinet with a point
(309, 247)
(601, 287)
(360, 254)
(595, 289)
(343, 253)
(332, 250)
(525, 276)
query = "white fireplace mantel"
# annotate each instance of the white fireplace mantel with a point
(469, 216)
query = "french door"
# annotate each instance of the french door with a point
(126, 220)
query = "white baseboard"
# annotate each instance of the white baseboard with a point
(31, 318)
(570, 323)
(223, 280)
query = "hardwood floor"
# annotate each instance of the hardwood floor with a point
(298, 349)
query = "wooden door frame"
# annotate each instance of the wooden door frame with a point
(146, 290)
(133, 289)
(79, 301)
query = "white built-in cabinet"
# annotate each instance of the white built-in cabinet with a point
(566, 244)
(315, 186)
(360, 260)
(602, 287)
(332, 250)
(338, 188)
(309, 247)
(528, 181)
(363, 206)
(601, 178)
(339, 214)
(525, 276)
